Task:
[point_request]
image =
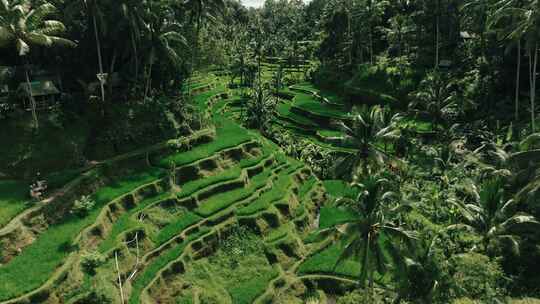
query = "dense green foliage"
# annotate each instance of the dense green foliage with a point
(201, 151)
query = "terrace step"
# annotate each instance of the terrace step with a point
(222, 219)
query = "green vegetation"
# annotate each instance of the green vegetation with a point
(332, 216)
(13, 199)
(155, 266)
(278, 191)
(224, 200)
(339, 188)
(45, 254)
(127, 222)
(308, 103)
(185, 220)
(229, 135)
(343, 151)
(326, 262)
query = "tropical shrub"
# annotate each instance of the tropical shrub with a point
(83, 206)
(91, 260)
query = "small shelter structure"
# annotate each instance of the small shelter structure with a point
(45, 93)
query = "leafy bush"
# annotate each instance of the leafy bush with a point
(83, 206)
(476, 276)
(91, 260)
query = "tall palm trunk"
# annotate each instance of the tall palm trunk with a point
(516, 101)
(370, 25)
(149, 78)
(111, 72)
(437, 34)
(135, 55)
(533, 63)
(32, 100)
(100, 60)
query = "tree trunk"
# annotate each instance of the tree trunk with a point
(437, 37)
(32, 101)
(119, 278)
(149, 78)
(533, 63)
(111, 71)
(371, 288)
(135, 55)
(100, 60)
(517, 81)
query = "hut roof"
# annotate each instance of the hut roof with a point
(40, 88)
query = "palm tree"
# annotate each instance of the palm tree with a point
(434, 97)
(201, 10)
(368, 130)
(24, 25)
(419, 275)
(165, 38)
(502, 11)
(94, 11)
(525, 25)
(132, 12)
(526, 164)
(494, 218)
(260, 107)
(373, 235)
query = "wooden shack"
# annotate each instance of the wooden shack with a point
(45, 93)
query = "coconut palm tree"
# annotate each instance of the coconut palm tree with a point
(24, 25)
(506, 31)
(494, 218)
(165, 39)
(369, 132)
(525, 25)
(202, 10)
(434, 97)
(93, 9)
(133, 15)
(373, 234)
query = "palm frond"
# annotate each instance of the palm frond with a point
(51, 28)
(530, 142)
(62, 42)
(6, 36)
(39, 39)
(35, 18)
(518, 220)
(22, 47)
(512, 241)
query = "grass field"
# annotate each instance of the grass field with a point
(326, 262)
(14, 199)
(310, 104)
(152, 270)
(228, 135)
(46, 253)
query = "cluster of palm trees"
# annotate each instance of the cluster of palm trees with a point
(136, 37)
(470, 33)
(24, 26)
(503, 187)
(519, 23)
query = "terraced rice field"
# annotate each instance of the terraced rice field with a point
(170, 218)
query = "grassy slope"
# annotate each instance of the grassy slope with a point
(13, 199)
(45, 254)
(326, 262)
(309, 103)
